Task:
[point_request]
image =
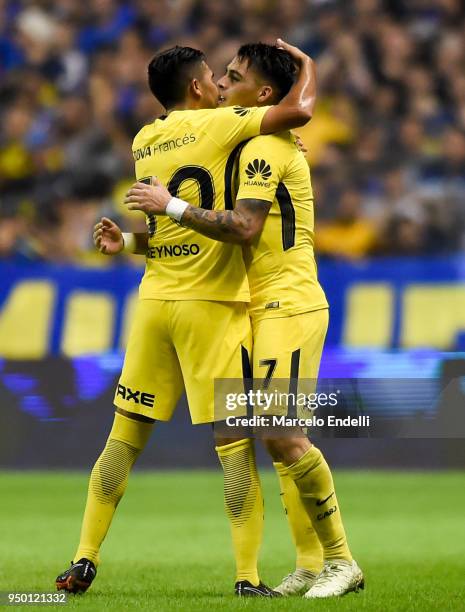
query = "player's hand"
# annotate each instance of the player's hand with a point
(297, 55)
(150, 199)
(108, 237)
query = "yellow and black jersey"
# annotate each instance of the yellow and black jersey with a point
(280, 264)
(193, 153)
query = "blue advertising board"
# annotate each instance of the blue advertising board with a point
(381, 304)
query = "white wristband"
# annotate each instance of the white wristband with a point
(175, 208)
(129, 241)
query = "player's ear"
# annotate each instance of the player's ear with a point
(195, 88)
(265, 94)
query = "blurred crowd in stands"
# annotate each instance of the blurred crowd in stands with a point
(386, 146)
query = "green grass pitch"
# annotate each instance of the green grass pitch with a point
(169, 548)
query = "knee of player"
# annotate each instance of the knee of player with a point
(221, 440)
(287, 450)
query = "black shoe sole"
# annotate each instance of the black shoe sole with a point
(72, 585)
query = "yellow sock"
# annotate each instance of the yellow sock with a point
(313, 478)
(244, 505)
(108, 482)
(309, 553)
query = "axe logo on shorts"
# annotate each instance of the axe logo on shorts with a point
(136, 396)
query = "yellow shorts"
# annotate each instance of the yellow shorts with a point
(293, 345)
(177, 345)
(288, 350)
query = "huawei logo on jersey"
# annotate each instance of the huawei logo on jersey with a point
(241, 111)
(256, 170)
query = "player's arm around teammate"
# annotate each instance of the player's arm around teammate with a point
(238, 226)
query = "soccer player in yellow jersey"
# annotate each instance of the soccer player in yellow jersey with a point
(273, 218)
(191, 324)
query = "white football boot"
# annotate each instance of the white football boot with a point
(296, 583)
(337, 578)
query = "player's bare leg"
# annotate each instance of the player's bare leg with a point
(107, 484)
(312, 476)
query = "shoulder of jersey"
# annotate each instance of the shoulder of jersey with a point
(239, 111)
(271, 142)
(145, 131)
(218, 112)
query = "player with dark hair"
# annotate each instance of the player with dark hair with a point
(191, 324)
(273, 218)
(169, 71)
(266, 63)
